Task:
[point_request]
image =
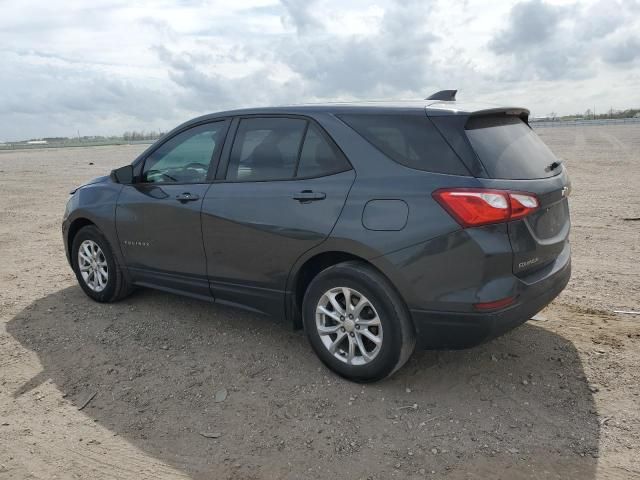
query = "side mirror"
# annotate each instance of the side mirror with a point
(123, 175)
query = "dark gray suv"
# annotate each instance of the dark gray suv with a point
(374, 226)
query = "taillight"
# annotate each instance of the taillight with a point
(522, 204)
(472, 207)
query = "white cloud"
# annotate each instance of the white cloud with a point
(108, 66)
(542, 41)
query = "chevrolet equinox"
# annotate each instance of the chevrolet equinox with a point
(376, 227)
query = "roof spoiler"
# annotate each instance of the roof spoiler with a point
(444, 95)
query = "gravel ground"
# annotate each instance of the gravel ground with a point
(183, 389)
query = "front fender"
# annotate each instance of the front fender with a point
(96, 204)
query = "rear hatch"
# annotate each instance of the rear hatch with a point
(505, 153)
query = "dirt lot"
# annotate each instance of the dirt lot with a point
(556, 398)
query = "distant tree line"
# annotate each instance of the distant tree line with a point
(591, 115)
(611, 113)
(141, 135)
(129, 136)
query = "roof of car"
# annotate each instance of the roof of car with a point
(431, 107)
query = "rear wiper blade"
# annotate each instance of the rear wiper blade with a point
(553, 166)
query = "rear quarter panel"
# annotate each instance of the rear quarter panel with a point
(415, 257)
(379, 178)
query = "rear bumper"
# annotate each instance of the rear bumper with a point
(436, 329)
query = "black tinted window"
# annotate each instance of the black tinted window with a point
(509, 149)
(266, 149)
(319, 157)
(184, 158)
(411, 140)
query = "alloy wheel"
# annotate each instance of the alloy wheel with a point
(349, 326)
(93, 265)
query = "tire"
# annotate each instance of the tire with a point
(116, 286)
(395, 331)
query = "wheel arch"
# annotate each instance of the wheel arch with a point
(85, 219)
(74, 227)
(309, 269)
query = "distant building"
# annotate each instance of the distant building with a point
(637, 115)
(37, 142)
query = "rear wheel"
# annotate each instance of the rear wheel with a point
(356, 322)
(96, 268)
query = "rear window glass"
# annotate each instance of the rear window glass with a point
(410, 140)
(509, 149)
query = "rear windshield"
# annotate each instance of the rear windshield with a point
(411, 140)
(509, 149)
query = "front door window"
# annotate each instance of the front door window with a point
(185, 158)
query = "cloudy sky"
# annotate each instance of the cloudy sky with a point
(106, 66)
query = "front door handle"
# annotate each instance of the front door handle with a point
(187, 197)
(306, 196)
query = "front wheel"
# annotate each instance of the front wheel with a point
(357, 323)
(96, 268)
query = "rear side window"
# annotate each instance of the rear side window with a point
(319, 157)
(509, 149)
(410, 140)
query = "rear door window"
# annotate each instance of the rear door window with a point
(280, 148)
(411, 140)
(509, 149)
(266, 149)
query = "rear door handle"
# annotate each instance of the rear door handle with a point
(187, 197)
(306, 196)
